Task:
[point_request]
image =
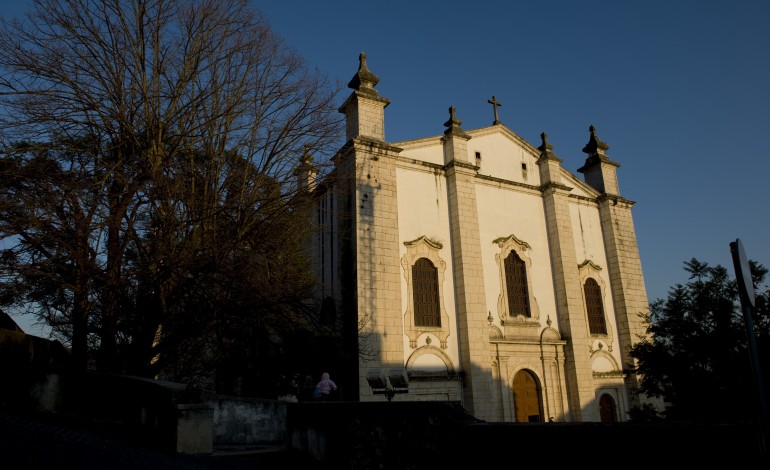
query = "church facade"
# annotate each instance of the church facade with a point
(472, 267)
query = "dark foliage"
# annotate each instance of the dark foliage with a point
(696, 356)
(150, 213)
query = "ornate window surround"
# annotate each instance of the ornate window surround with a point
(427, 306)
(508, 244)
(588, 269)
(429, 249)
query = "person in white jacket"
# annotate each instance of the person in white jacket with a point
(326, 387)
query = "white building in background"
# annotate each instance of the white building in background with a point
(475, 266)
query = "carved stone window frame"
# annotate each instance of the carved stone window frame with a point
(430, 250)
(588, 269)
(507, 245)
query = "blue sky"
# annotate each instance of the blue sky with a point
(678, 89)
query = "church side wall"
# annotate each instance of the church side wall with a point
(377, 260)
(422, 205)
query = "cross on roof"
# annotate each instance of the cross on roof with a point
(495, 104)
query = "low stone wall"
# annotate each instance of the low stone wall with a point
(164, 415)
(194, 428)
(248, 423)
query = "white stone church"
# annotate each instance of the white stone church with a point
(472, 267)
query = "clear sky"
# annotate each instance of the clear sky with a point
(678, 89)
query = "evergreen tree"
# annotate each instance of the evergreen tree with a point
(696, 354)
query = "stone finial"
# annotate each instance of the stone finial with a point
(453, 124)
(363, 80)
(453, 121)
(545, 148)
(306, 160)
(594, 145)
(598, 169)
(306, 171)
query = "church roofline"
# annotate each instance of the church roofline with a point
(474, 133)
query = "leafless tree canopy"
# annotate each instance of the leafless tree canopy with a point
(162, 76)
(147, 158)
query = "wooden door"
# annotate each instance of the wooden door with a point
(526, 397)
(607, 409)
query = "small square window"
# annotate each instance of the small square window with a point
(478, 155)
(523, 166)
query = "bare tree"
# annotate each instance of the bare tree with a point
(189, 118)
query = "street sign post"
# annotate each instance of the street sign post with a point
(746, 289)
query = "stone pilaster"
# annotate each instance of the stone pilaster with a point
(629, 295)
(367, 171)
(475, 350)
(378, 275)
(566, 281)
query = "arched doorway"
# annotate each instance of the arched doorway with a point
(607, 409)
(526, 397)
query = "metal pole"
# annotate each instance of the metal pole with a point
(746, 289)
(758, 378)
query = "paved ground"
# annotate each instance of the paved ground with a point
(41, 443)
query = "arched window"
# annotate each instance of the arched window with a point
(425, 293)
(516, 285)
(593, 295)
(607, 409)
(515, 301)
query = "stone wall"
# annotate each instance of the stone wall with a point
(164, 415)
(248, 423)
